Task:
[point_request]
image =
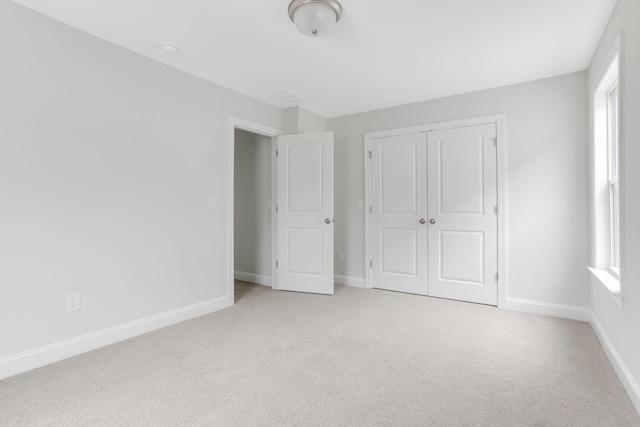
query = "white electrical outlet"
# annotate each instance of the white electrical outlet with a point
(73, 302)
(340, 256)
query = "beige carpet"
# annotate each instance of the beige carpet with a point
(360, 357)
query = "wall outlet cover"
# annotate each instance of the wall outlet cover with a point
(73, 302)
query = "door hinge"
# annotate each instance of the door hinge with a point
(496, 209)
(276, 264)
(371, 263)
(276, 208)
(370, 154)
(276, 153)
(495, 141)
(370, 209)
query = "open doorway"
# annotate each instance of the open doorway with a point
(251, 215)
(252, 210)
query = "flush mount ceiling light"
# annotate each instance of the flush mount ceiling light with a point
(315, 18)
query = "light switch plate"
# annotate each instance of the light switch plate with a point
(212, 203)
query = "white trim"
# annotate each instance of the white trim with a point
(549, 309)
(501, 128)
(238, 123)
(356, 282)
(274, 213)
(41, 356)
(367, 209)
(628, 382)
(258, 279)
(610, 282)
(600, 220)
(613, 51)
(500, 122)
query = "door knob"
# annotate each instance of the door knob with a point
(422, 221)
(328, 221)
(432, 221)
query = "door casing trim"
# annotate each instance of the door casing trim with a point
(500, 121)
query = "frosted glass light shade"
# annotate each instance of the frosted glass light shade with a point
(314, 18)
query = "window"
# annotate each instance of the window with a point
(614, 184)
(606, 175)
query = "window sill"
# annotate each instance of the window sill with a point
(610, 282)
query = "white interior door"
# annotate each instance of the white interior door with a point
(305, 213)
(398, 213)
(463, 223)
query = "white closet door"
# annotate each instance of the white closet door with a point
(305, 213)
(463, 244)
(399, 212)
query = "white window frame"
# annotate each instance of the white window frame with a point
(606, 183)
(613, 148)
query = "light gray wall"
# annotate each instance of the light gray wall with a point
(547, 181)
(290, 120)
(309, 122)
(299, 120)
(251, 203)
(621, 325)
(107, 159)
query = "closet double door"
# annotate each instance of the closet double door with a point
(434, 213)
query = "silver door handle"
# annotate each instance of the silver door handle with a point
(432, 221)
(422, 221)
(328, 221)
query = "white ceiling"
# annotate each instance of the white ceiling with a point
(381, 53)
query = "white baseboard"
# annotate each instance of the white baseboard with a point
(549, 309)
(628, 382)
(357, 282)
(31, 359)
(258, 279)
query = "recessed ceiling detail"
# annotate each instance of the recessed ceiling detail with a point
(288, 96)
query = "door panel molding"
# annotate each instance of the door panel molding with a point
(459, 159)
(399, 209)
(500, 122)
(305, 213)
(474, 277)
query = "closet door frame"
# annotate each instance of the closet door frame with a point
(500, 121)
